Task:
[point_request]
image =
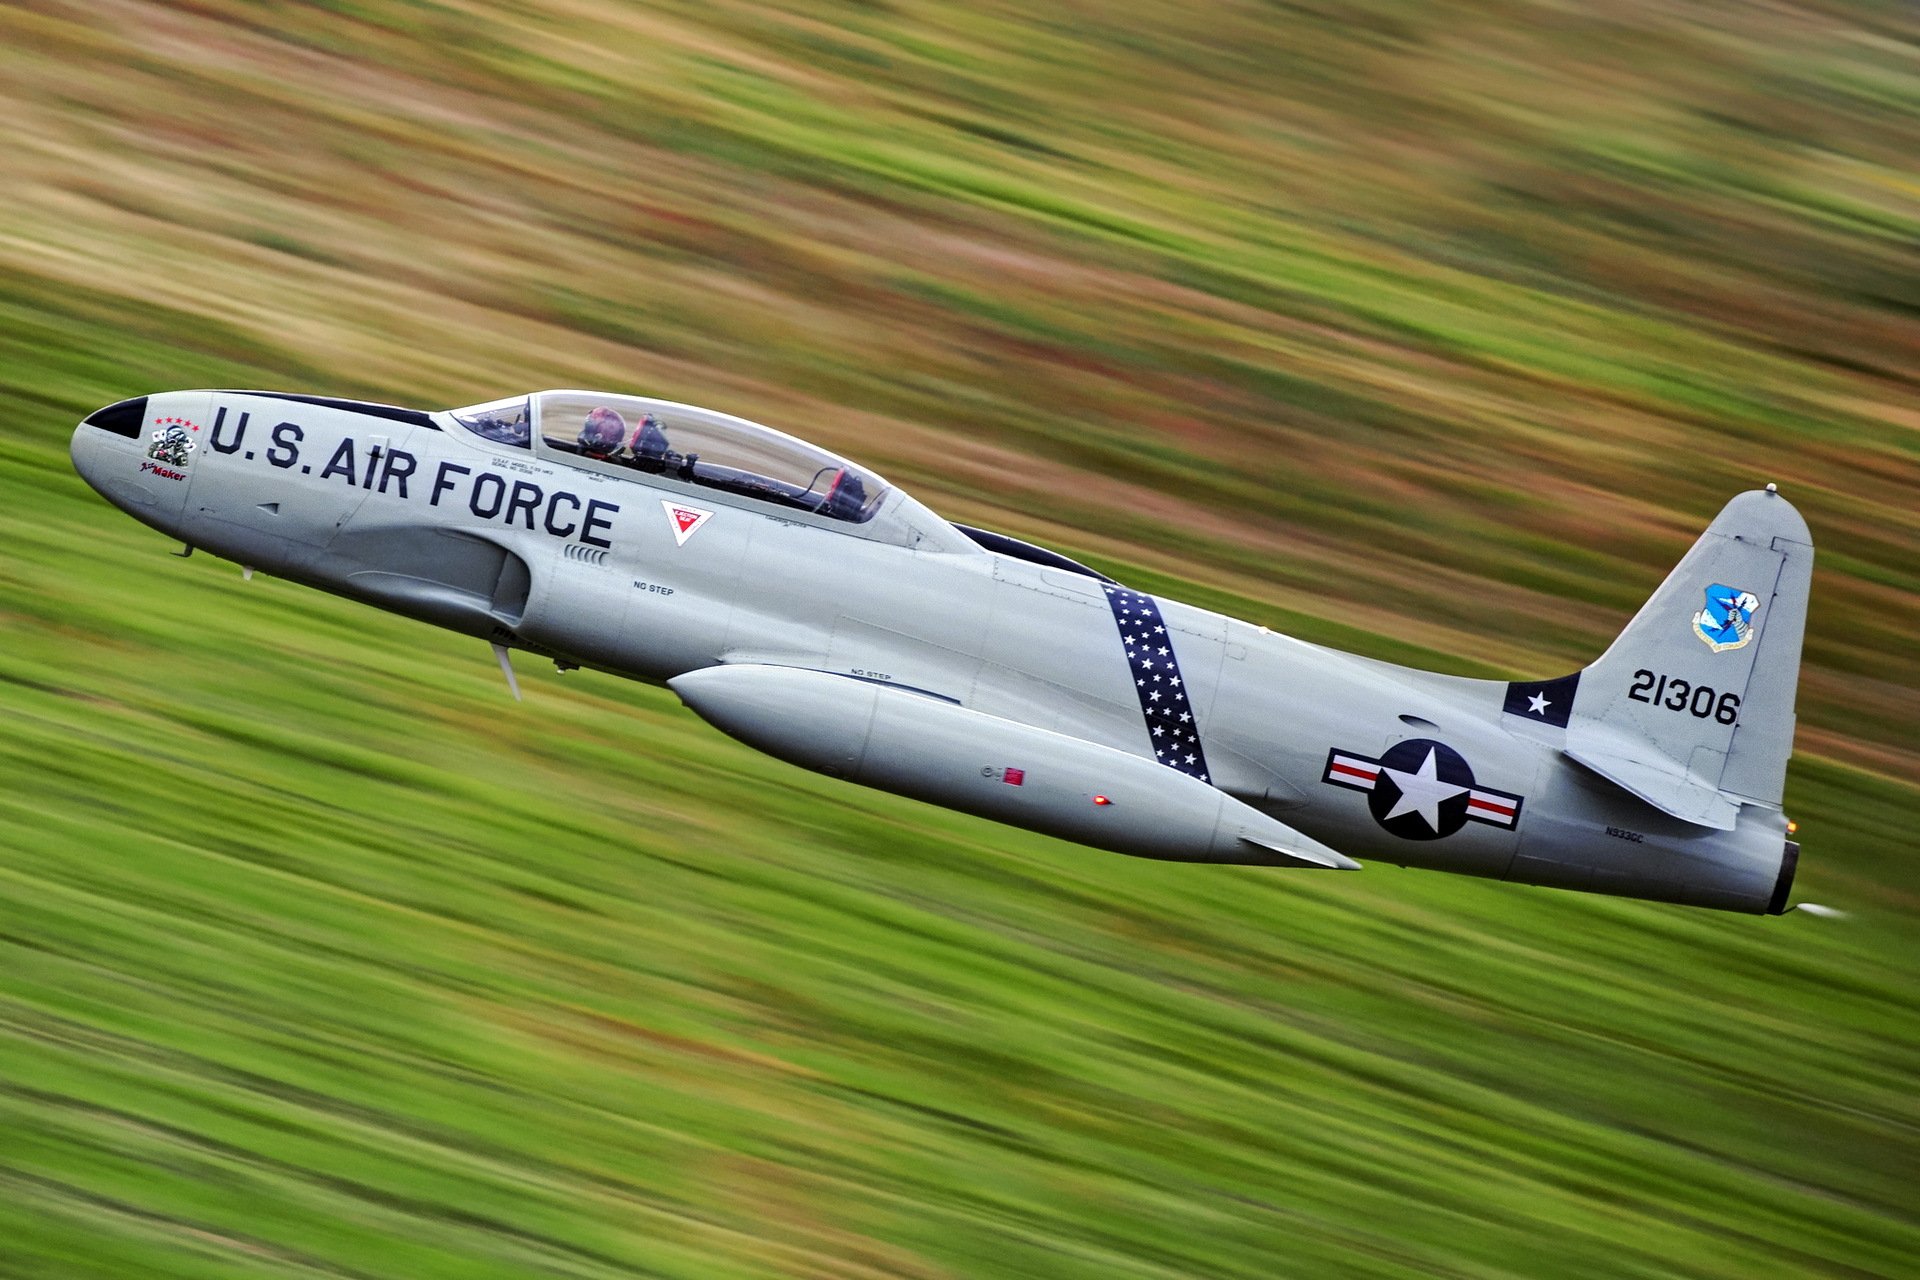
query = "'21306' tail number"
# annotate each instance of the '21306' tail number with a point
(1676, 694)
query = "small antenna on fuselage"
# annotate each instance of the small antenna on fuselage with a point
(500, 651)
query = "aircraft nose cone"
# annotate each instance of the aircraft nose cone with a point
(97, 442)
(110, 452)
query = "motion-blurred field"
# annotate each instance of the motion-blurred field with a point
(1432, 333)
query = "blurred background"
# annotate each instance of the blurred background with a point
(1436, 332)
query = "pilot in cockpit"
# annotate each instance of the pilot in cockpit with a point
(649, 445)
(846, 496)
(602, 434)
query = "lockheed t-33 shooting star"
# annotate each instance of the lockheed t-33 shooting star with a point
(801, 604)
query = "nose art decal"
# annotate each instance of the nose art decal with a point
(170, 446)
(1156, 678)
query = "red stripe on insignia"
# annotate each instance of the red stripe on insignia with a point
(1371, 775)
(1497, 806)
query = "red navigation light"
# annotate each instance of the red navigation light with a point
(1101, 800)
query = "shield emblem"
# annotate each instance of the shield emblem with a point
(1727, 621)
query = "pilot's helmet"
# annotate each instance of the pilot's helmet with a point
(603, 432)
(649, 441)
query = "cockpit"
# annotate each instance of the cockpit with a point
(680, 442)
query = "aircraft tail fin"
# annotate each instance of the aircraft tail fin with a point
(1692, 706)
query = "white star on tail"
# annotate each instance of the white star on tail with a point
(1538, 704)
(1421, 792)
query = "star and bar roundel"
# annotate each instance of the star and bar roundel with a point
(1420, 789)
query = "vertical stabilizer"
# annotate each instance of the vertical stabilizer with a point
(1692, 707)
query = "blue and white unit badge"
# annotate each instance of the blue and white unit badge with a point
(1727, 621)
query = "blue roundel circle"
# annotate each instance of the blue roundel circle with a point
(1423, 790)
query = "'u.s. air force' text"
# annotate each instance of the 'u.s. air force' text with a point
(487, 494)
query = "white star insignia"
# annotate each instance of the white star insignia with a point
(1538, 704)
(1422, 791)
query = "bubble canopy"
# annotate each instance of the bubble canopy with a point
(699, 447)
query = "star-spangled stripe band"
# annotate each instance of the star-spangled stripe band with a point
(1156, 679)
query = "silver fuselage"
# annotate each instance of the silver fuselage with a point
(584, 564)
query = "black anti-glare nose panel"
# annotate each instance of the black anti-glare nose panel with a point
(123, 419)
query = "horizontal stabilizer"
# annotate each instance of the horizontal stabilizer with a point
(1653, 779)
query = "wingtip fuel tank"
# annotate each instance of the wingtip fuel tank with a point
(923, 746)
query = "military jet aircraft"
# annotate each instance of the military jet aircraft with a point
(808, 608)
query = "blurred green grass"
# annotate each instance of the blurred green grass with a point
(1431, 333)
